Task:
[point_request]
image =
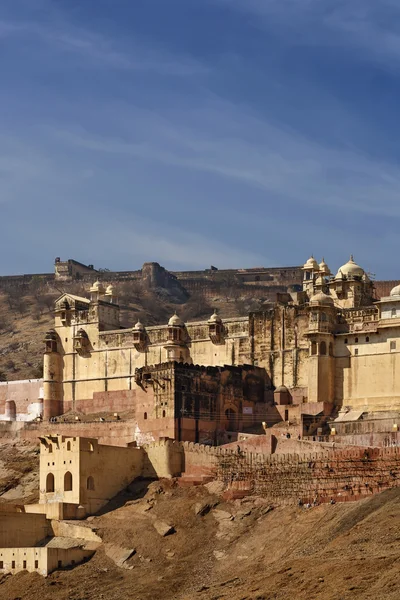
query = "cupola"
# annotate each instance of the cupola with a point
(215, 327)
(81, 340)
(50, 341)
(139, 335)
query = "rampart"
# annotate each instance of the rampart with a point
(340, 475)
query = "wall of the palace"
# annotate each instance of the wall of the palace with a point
(367, 373)
(27, 396)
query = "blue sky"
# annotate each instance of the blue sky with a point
(196, 132)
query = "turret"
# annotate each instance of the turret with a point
(321, 325)
(176, 346)
(215, 328)
(139, 336)
(52, 376)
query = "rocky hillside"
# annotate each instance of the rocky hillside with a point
(163, 541)
(26, 313)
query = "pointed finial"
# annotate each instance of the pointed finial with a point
(351, 258)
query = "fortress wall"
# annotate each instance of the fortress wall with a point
(344, 474)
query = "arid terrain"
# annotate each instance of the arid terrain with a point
(239, 550)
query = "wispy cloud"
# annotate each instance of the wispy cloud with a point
(366, 26)
(101, 51)
(230, 143)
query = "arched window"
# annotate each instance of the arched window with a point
(145, 416)
(231, 418)
(50, 483)
(322, 348)
(90, 483)
(68, 482)
(50, 448)
(313, 348)
(367, 339)
(68, 445)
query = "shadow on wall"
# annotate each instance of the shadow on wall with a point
(134, 491)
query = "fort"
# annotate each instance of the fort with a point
(297, 401)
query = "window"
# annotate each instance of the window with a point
(50, 483)
(324, 317)
(24, 564)
(13, 564)
(356, 340)
(313, 348)
(50, 448)
(145, 416)
(393, 345)
(59, 564)
(1, 564)
(356, 351)
(367, 339)
(322, 348)
(394, 312)
(68, 482)
(36, 564)
(68, 445)
(346, 341)
(90, 483)
(163, 413)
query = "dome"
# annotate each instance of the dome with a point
(311, 264)
(215, 318)
(97, 287)
(321, 299)
(110, 290)
(351, 269)
(320, 280)
(139, 326)
(175, 321)
(395, 291)
(323, 268)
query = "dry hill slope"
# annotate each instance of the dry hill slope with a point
(240, 550)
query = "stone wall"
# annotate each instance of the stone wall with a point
(27, 396)
(20, 529)
(342, 475)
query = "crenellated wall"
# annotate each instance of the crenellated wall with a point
(341, 474)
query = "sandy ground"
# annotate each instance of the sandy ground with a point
(241, 550)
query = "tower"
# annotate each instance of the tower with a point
(310, 270)
(321, 366)
(52, 377)
(176, 345)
